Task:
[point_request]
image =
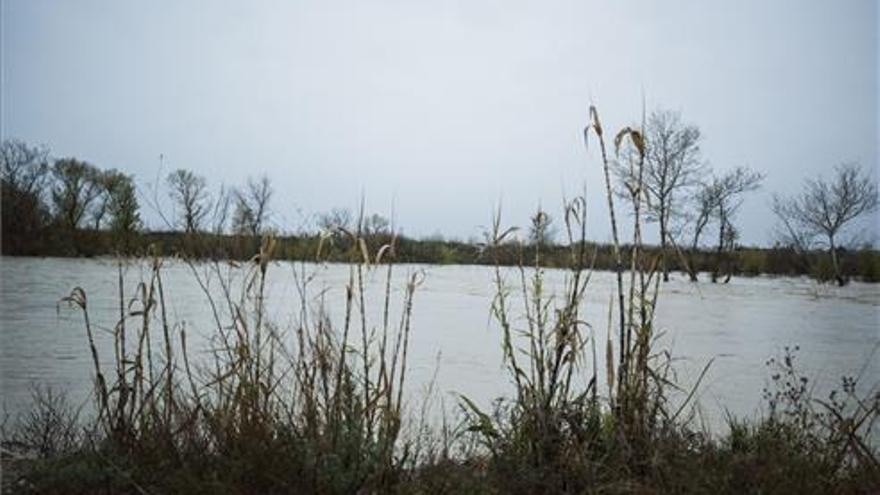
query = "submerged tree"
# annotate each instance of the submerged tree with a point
(819, 214)
(725, 196)
(77, 185)
(190, 195)
(672, 165)
(702, 208)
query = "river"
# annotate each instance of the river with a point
(454, 345)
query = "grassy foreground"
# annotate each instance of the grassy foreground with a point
(318, 406)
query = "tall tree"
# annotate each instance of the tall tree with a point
(672, 164)
(824, 209)
(252, 207)
(76, 186)
(190, 195)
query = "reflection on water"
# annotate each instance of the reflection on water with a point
(740, 324)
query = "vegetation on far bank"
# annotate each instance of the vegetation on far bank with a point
(68, 207)
(858, 264)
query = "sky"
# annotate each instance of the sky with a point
(439, 111)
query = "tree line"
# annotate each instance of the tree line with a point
(46, 199)
(50, 203)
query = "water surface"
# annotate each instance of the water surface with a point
(454, 343)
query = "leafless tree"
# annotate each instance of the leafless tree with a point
(819, 214)
(252, 207)
(22, 167)
(190, 194)
(702, 208)
(726, 196)
(672, 164)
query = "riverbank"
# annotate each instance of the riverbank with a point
(862, 264)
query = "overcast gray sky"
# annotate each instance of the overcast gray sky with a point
(443, 106)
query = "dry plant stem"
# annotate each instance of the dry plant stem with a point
(146, 339)
(123, 357)
(618, 262)
(189, 374)
(343, 348)
(139, 355)
(169, 374)
(407, 313)
(363, 316)
(635, 191)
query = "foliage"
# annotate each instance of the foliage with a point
(77, 185)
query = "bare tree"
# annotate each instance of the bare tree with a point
(252, 207)
(702, 208)
(190, 193)
(672, 164)
(22, 167)
(824, 209)
(726, 196)
(77, 185)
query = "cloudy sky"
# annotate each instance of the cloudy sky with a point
(443, 107)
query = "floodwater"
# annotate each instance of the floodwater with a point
(455, 346)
